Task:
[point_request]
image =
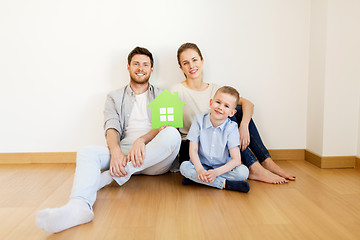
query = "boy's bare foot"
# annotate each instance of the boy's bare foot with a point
(257, 172)
(270, 165)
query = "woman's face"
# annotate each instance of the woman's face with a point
(191, 63)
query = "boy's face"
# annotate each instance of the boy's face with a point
(222, 106)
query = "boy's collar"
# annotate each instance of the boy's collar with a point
(209, 124)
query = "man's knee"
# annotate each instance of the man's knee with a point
(88, 152)
(172, 136)
(85, 151)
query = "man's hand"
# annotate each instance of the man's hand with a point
(136, 154)
(117, 163)
(244, 136)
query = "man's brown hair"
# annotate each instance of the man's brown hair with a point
(141, 51)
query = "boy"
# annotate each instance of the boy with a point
(213, 136)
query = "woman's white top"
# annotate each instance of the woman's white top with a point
(197, 102)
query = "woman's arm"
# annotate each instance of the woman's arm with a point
(248, 110)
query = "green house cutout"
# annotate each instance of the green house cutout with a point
(167, 109)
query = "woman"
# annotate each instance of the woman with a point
(195, 93)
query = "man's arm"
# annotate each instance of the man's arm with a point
(117, 158)
(248, 110)
(136, 154)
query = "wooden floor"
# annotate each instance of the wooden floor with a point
(320, 204)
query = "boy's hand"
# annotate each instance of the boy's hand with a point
(202, 175)
(211, 175)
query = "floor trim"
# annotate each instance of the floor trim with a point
(276, 154)
(70, 157)
(330, 162)
(38, 157)
(287, 154)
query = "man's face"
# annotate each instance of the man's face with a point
(140, 69)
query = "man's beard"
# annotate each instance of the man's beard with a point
(145, 81)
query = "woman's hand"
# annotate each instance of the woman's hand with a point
(244, 136)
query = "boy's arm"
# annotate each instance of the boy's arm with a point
(194, 158)
(234, 162)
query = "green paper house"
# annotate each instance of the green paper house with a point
(167, 109)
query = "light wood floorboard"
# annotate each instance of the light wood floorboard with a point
(320, 204)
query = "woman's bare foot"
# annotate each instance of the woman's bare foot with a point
(270, 165)
(259, 173)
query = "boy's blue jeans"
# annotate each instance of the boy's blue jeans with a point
(256, 151)
(239, 173)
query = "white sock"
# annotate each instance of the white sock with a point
(105, 179)
(74, 213)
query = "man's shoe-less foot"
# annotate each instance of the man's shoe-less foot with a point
(74, 213)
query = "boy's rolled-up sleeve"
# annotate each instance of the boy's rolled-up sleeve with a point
(233, 136)
(194, 131)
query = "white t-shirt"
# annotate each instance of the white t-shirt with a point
(196, 102)
(139, 122)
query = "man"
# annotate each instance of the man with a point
(133, 147)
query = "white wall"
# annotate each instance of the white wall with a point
(59, 59)
(316, 85)
(358, 139)
(343, 78)
(334, 78)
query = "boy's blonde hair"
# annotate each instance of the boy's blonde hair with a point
(231, 91)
